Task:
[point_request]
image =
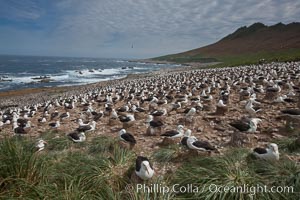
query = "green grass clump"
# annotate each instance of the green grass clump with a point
(290, 144)
(235, 170)
(21, 169)
(166, 154)
(100, 145)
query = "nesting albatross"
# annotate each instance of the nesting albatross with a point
(194, 143)
(77, 137)
(127, 137)
(40, 145)
(143, 168)
(246, 124)
(87, 128)
(174, 133)
(270, 153)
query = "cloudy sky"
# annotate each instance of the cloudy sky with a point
(129, 28)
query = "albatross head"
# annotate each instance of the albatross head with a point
(273, 147)
(180, 127)
(41, 144)
(133, 108)
(147, 168)
(188, 133)
(131, 117)
(164, 111)
(149, 119)
(221, 103)
(122, 131)
(255, 121)
(192, 111)
(41, 141)
(28, 124)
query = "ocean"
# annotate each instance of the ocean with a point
(20, 72)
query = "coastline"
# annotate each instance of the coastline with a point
(29, 96)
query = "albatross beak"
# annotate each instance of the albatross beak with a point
(147, 169)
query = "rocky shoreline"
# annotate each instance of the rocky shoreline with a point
(26, 97)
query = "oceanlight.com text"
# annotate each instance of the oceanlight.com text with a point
(213, 188)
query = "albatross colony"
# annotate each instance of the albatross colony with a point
(250, 115)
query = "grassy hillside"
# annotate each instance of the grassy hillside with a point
(247, 45)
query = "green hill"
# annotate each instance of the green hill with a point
(247, 45)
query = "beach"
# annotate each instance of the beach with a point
(22, 97)
(26, 97)
(31, 96)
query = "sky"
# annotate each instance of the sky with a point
(129, 28)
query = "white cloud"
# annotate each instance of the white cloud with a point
(155, 27)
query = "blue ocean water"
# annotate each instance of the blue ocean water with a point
(18, 72)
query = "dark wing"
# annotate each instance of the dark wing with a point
(241, 125)
(140, 109)
(74, 135)
(63, 115)
(157, 113)
(291, 111)
(169, 97)
(257, 90)
(108, 109)
(256, 108)
(53, 115)
(98, 116)
(84, 128)
(20, 130)
(156, 123)
(22, 122)
(194, 99)
(94, 113)
(124, 118)
(129, 138)
(260, 150)
(204, 144)
(170, 133)
(122, 109)
(186, 110)
(52, 124)
(184, 141)
(271, 89)
(288, 100)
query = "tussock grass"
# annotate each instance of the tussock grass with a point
(290, 144)
(101, 169)
(100, 145)
(236, 169)
(166, 154)
(20, 169)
